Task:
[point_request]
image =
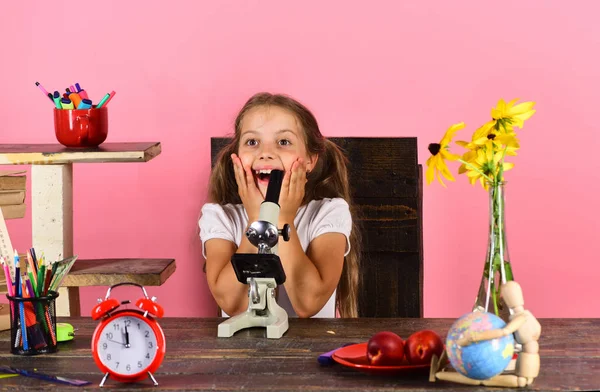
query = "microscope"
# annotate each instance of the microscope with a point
(262, 271)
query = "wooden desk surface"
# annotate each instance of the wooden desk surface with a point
(197, 360)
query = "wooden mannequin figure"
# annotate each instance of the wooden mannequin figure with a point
(526, 331)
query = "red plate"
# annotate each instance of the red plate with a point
(355, 356)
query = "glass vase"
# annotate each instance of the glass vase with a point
(497, 268)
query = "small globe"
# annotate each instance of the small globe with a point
(481, 360)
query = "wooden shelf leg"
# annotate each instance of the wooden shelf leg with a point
(52, 228)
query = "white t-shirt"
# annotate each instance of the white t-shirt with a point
(318, 217)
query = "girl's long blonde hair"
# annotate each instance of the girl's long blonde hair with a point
(328, 179)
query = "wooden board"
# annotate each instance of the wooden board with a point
(4, 317)
(13, 183)
(381, 167)
(44, 154)
(197, 360)
(391, 284)
(10, 197)
(15, 211)
(106, 272)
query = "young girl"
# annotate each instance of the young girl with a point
(277, 132)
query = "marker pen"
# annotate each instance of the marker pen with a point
(103, 101)
(82, 93)
(84, 104)
(43, 90)
(72, 88)
(75, 98)
(112, 94)
(56, 99)
(66, 103)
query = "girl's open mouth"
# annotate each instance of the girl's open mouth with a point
(262, 176)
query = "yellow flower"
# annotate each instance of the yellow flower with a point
(485, 166)
(467, 157)
(505, 116)
(494, 140)
(500, 142)
(514, 115)
(436, 164)
(483, 130)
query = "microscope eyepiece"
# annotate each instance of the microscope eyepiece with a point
(274, 188)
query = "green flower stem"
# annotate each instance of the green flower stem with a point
(495, 301)
(499, 263)
(500, 178)
(477, 170)
(495, 248)
(500, 233)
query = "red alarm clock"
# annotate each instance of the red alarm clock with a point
(128, 344)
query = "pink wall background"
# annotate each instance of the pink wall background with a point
(396, 68)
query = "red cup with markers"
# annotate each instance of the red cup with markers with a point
(77, 121)
(81, 127)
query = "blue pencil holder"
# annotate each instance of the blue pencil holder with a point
(33, 324)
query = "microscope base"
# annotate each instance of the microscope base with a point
(273, 317)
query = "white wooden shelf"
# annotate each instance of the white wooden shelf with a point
(52, 214)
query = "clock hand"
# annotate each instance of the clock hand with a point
(126, 338)
(114, 341)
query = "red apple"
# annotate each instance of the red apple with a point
(385, 349)
(421, 345)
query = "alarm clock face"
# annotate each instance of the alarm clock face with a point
(127, 345)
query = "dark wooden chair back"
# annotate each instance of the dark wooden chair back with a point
(387, 191)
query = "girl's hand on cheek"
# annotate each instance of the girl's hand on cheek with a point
(249, 193)
(292, 191)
